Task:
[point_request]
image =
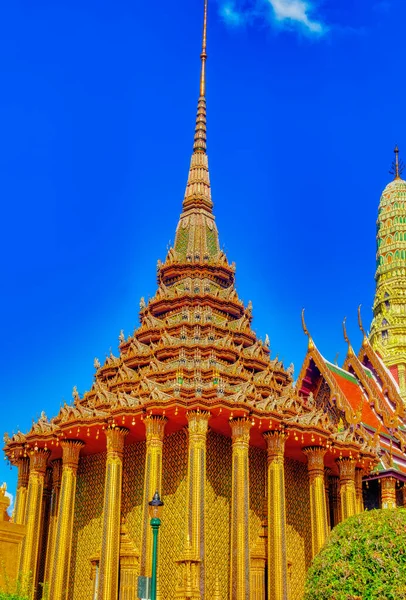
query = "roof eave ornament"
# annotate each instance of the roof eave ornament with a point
(365, 338)
(310, 344)
(346, 338)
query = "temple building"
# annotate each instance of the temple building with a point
(253, 469)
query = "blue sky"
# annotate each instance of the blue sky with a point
(305, 105)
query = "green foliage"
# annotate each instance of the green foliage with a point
(364, 559)
(18, 589)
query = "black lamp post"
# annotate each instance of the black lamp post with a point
(155, 512)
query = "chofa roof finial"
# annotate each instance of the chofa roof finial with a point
(306, 331)
(360, 323)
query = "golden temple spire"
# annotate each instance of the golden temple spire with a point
(396, 162)
(200, 131)
(203, 55)
(397, 165)
(196, 235)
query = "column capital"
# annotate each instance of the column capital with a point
(346, 467)
(38, 460)
(23, 464)
(275, 441)
(70, 453)
(198, 423)
(315, 459)
(115, 437)
(155, 428)
(240, 431)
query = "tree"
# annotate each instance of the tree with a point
(363, 559)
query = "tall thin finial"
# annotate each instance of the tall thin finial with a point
(396, 162)
(203, 55)
(397, 165)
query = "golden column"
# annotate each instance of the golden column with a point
(33, 514)
(110, 542)
(404, 495)
(240, 500)
(318, 509)
(23, 465)
(358, 490)
(154, 431)
(348, 496)
(327, 474)
(59, 576)
(277, 559)
(388, 492)
(196, 482)
(56, 486)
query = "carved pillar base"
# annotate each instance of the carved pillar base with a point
(188, 587)
(258, 565)
(129, 566)
(346, 468)
(388, 492)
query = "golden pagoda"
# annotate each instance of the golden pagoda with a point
(253, 471)
(388, 329)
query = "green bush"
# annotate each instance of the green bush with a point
(19, 589)
(363, 559)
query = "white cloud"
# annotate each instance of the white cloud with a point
(231, 15)
(284, 14)
(296, 12)
(11, 497)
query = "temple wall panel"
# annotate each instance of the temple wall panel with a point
(218, 506)
(298, 526)
(172, 531)
(257, 463)
(133, 486)
(87, 525)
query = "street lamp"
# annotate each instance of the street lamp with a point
(155, 512)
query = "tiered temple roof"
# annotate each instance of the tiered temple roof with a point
(365, 388)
